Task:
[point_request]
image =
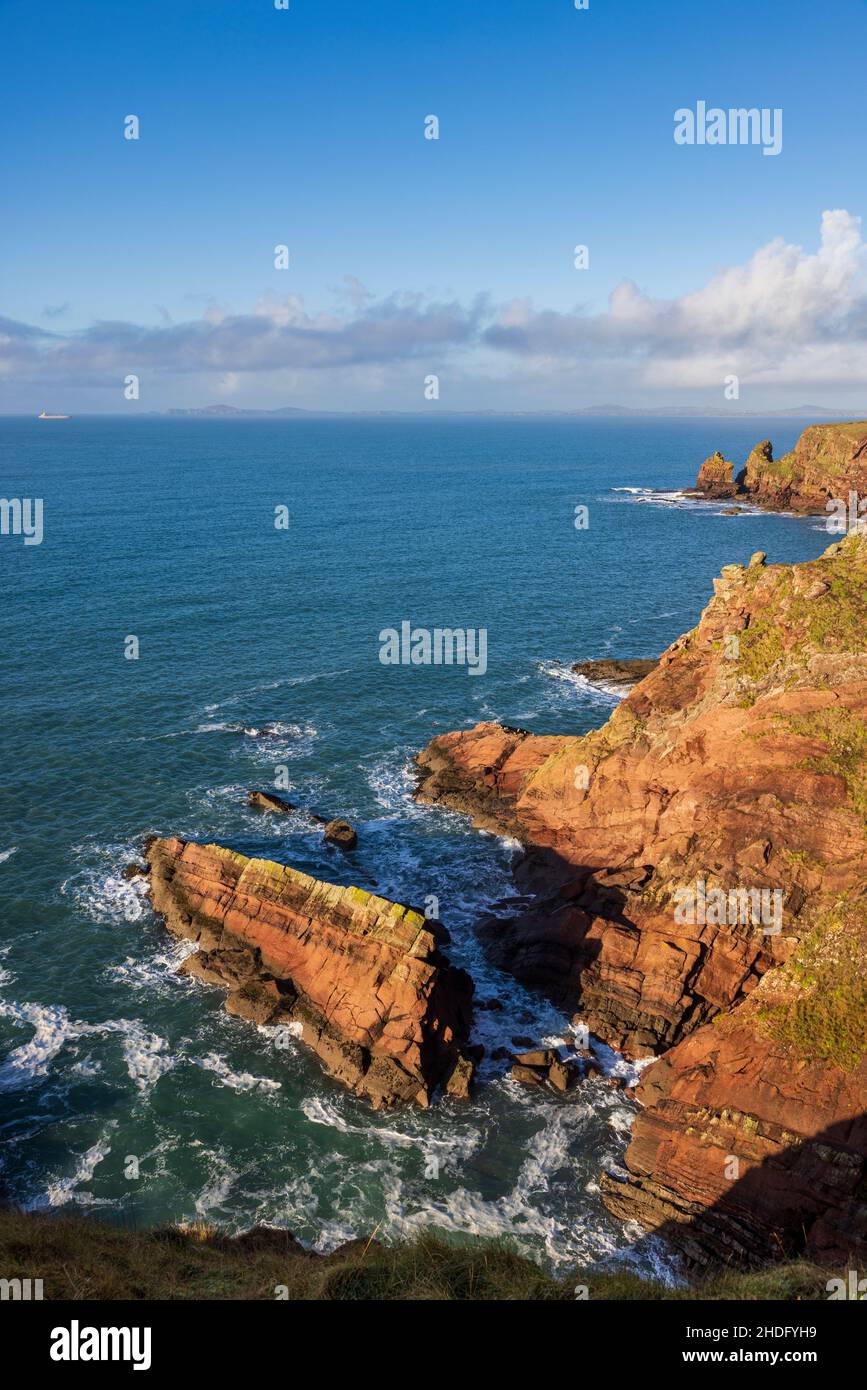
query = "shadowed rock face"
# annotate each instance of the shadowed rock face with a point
(361, 979)
(749, 1149)
(828, 461)
(739, 762)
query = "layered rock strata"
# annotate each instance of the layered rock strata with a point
(361, 980)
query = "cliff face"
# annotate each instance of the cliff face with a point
(828, 462)
(687, 855)
(361, 979)
(752, 1143)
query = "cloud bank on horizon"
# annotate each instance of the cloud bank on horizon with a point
(787, 320)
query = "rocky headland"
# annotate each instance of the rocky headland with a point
(734, 773)
(827, 463)
(361, 980)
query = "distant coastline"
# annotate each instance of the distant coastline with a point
(607, 412)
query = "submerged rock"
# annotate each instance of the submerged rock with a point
(267, 801)
(359, 979)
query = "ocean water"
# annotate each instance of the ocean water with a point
(124, 1088)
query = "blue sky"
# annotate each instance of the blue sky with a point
(408, 256)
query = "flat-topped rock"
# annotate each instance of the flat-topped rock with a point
(616, 672)
(267, 801)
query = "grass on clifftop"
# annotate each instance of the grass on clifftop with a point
(81, 1259)
(825, 1015)
(788, 628)
(844, 735)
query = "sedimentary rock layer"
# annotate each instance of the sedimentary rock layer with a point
(363, 979)
(828, 462)
(752, 1143)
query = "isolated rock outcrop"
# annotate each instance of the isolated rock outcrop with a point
(616, 673)
(828, 462)
(734, 774)
(360, 979)
(341, 833)
(267, 801)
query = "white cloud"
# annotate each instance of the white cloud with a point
(787, 317)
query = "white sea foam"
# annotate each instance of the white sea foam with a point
(457, 1143)
(392, 779)
(145, 1054)
(222, 1179)
(676, 499)
(232, 701)
(155, 973)
(6, 976)
(237, 1081)
(87, 1067)
(100, 892)
(596, 690)
(269, 729)
(61, 1191)
(52, 1030)
(147, 1057)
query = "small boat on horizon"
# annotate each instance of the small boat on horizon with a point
(43, 416)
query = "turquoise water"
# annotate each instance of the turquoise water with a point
(123, 1087)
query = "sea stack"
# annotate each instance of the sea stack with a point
(828, 463)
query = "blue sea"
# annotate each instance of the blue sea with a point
(125, 1090)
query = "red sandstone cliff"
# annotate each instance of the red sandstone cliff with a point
(739, 763)
(828, 462)
(362, 978)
